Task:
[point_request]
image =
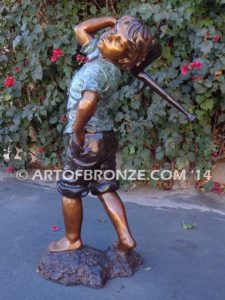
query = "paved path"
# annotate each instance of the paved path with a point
(185, 264)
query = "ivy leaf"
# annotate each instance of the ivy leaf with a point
(7, 97)
(208, 186)
(221, 118)
(135, 104)
(222, 87)
(53, 120)
(37, 29)
(102, 220)
(43, 112)
(16, 41)
(147, 269)
(17, 119)
(206, 47)
(166, 53)
(60, 127)
(159, 155)
(200, 99)
(164, 29)
(93, 10)
(207, 105)
(132, 150)
(189, 225)
(181, 163)
(3, 58)
(37, 73)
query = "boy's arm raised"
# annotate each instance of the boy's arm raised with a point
(85, 111)
(84, 30)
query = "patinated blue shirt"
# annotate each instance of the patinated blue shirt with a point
(97, 75)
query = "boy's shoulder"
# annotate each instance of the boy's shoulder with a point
(90, 47)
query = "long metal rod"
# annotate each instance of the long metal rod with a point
(153, 85)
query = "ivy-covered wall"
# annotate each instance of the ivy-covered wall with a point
(38, 55)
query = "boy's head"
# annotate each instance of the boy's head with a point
(127, 43)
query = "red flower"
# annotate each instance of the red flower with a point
(196, 65)
(57, 53)
(9, 81)
(216, 38)
(10, 169)
(54, 228)
(214, 154)
(16, 69)
(81, 58)
(198, 184)
(184, 69)
(217, 188)
(41, 150)
(62, 119)
(53, 58)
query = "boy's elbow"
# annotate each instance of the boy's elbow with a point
(76, 30)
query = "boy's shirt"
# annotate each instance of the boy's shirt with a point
(98, 75)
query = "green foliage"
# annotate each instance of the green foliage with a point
(154, 132)
(149, 130)
(188, 226)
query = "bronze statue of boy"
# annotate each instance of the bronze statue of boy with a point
(92, 143)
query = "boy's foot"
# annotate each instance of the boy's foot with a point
(64, 245)
(126, 244)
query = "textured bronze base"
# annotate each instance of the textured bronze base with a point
(88, 266)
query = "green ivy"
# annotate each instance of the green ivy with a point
(33, 109)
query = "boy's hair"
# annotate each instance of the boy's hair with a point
(140, 40)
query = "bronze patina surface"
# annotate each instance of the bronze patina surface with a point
(88, 267)
(125, 45)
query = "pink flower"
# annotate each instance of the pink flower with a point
(41, 150)
(81, 58)
(62, 119)
(57, 53)
(216, 38)
(9, 81)
(16, 69)
(54, 228)
(217, 187)
(53, 58)
(10, 169)
(196, 65)
(214, 155)
(184, 69)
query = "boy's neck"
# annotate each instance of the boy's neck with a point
(116, 63)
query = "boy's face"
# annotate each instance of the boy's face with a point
(113, 44)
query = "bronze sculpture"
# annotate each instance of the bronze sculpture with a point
(115, 46)
(127, 46)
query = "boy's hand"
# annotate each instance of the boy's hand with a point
(85, 111)
(79, 138)
(84, 30)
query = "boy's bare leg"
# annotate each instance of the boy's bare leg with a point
(116, 211)
(73, 216)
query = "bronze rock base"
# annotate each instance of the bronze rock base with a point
(88, 266)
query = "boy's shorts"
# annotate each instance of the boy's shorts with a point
(88, 164)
